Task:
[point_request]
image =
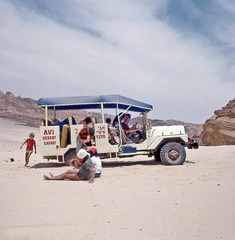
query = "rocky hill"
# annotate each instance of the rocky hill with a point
(193, 130)
(220, 128)
(22, 110)
(25, 111)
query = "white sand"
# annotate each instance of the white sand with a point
(134, 199)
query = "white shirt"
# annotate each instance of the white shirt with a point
(97, 165)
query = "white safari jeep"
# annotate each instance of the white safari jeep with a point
(165, 143)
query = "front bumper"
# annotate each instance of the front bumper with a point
(191, 144)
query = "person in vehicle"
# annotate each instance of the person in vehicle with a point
(115, 120)
(86, 122)
(85, 136)
(68, 120)
(131, 132)
(93, 120)
(85, 172)
(55, 121)
(110, 131)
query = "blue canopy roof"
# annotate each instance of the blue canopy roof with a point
(94, 102)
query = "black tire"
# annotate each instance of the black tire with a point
(173, 153)
(157, 155)
(68, 156)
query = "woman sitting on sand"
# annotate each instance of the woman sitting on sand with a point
(84, 173)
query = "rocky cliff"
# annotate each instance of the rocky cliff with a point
(220, 129)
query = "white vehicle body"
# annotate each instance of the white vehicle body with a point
(155, 137)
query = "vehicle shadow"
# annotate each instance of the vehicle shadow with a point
(107, 164)
(111, 164)
(48, 165)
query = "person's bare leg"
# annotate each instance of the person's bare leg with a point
(25, 159)
(27, 155)
(70, 171)
(52, 175)
(70, 176)
(61, 176)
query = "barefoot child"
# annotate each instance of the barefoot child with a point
(29, 149)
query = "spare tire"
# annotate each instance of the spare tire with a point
(173, 153)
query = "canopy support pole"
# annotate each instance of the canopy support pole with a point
(119, 124)
(46, 115)
(54, 112)
(102, 112)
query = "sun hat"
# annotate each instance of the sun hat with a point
(82, 153)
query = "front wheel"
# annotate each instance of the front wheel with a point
(173, 153)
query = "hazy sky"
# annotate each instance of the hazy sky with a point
(177, 55)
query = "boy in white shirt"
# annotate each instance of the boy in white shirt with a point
(97, 165)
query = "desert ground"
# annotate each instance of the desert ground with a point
(135, 198)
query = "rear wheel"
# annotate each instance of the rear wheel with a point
(173, 153)
(68, 156)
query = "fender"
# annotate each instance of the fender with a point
(167, 140)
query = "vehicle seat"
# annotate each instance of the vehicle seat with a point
(64, 136)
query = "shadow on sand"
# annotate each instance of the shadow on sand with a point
(111, 164)
(107, 164)
(48, 165)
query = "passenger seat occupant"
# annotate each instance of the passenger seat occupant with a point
(115, 120)
(132, 135)
(110, 131)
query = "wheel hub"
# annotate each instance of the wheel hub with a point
(173, 155)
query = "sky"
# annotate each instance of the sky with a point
(177, 55)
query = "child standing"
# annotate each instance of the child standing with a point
(29, 148)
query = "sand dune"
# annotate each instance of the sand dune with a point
(135, 198)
